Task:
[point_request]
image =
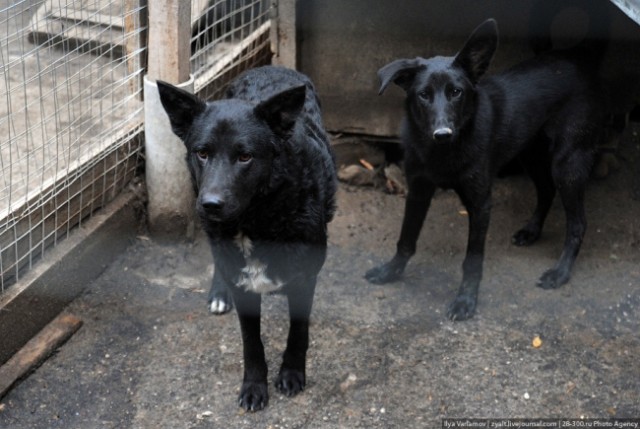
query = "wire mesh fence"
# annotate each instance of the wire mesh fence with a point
(69, 119)
(71, 111)
(228, 36)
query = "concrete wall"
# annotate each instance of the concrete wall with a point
(342, 43)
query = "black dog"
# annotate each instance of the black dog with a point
(459, 131)
(265, 176)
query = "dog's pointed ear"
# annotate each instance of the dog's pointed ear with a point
(281, 111)
(181, 106)
(476, 54)
(401, 72)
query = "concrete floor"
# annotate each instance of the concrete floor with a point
(150, 356)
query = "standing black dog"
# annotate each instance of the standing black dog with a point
(265, 177)
(459, 131)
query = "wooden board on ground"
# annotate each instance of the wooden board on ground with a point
(37, 350)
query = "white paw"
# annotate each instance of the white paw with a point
(219, 306)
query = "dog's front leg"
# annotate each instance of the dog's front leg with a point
(254, 393)
(464, 305)
(415, 211)
(220, 301)
(292, 378)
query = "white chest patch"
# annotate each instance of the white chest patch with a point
(253, 277)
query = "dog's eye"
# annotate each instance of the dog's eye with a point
(245, 157)
(456, 92)
(425, 94)
(202, 154)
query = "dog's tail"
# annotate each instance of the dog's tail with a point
(596, 37)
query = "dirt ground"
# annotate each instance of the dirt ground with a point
(150, 356)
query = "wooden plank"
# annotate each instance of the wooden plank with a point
(37, 350)
(77, 28)
(215, 89)
(230, 58)
(88, 18)
(51, 284)
(84, 38)
(84, 27)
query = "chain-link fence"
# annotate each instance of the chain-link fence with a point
(71, 111)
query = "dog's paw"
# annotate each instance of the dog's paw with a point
(220, 305)
(553, 279)
(384, 273)
(254, 396)
(525, 237)
(462, 308)
(290, 382)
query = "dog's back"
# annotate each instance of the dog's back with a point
(534, 103)
(259, 84)
(558, 89)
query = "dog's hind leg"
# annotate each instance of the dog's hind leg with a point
(415, 211)
(571, 176)
(292, 379)
(575, 229)
(538, 165)
(220, 301)
(254, 394)
(573, 201)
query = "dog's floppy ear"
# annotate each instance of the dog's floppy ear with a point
(281, 110)
(181, 106)
(477, 52)
(401, 72)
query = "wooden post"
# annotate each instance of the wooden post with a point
(169, 48)
(135, 18)
(283, 33)
(171, 205)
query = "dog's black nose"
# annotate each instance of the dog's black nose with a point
(442, 133)
(212, 203)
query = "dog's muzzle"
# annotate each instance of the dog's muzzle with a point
(211, 206)
(442, 133)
